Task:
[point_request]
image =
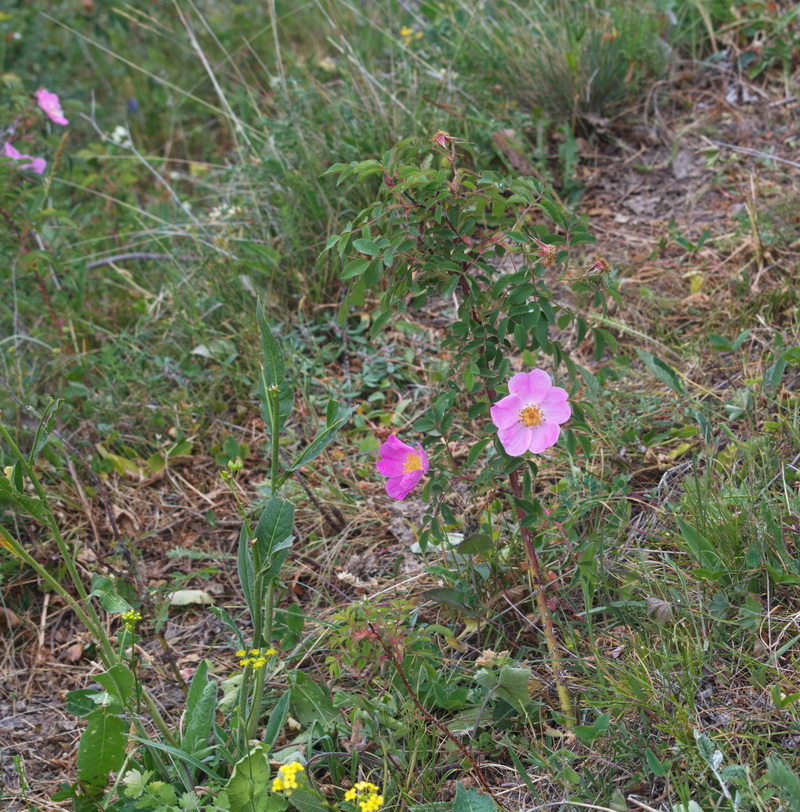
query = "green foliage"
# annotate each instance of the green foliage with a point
(438, 229)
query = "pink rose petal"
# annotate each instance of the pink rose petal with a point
(543, 437)
(505, 412)
(555, 406)
(530, 386)
(515, 439)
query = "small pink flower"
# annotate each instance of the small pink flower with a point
(51, 105)
(36, 164)
(403, 464)
(528, 418)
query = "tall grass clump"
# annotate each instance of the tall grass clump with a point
(573, 60)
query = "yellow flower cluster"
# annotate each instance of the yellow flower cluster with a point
(130, 619)
(257, 658)
(286, 780)
(409, 35)
(366, 796)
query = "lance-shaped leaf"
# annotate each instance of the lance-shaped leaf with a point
(273, 376)
(201, 703)
(274, 528)
(272, 357)
(336, 416)
(43, 430)
(245, 570)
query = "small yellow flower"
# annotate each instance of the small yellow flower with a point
(255, 651)
(240, 653)
(269, 652)
(408, 35)
(130, 619)
(259, 663)
(366, 796)
(286, 780)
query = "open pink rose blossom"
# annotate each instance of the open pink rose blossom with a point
(529, 417)
(403, 464)
(51, 105)
(36, 164)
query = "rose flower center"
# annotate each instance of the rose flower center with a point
(531, 416)
(412, 463)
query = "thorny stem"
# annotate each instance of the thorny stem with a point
(547, 622)
(431, 718)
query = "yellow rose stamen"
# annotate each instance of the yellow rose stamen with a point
(531, 416)
(412, 463)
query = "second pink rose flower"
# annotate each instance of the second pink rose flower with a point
(51, 105)
(405, 466)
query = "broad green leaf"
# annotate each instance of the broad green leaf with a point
(470, 800)
(199, 682)
(272, 356)
(118, 681)
(105, 589)
(786, 780)
(658, 767)
(81, 702)
(310, 702)
(102, 747)
(702, 549)
(477, 450)
(449, 596)
(365, 246)
(355, 267)
(475, 544)
(303, 800)
(513, 685)
(249, 786)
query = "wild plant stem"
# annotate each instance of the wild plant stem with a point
(564, 699)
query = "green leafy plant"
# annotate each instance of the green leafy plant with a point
(499, 245)
(200, 747)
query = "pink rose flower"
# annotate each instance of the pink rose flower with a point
(529, 417)
(403, 464)
(36, 164)
(51, 105)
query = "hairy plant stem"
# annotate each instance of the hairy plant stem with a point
(264, 593)
(564, 699)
